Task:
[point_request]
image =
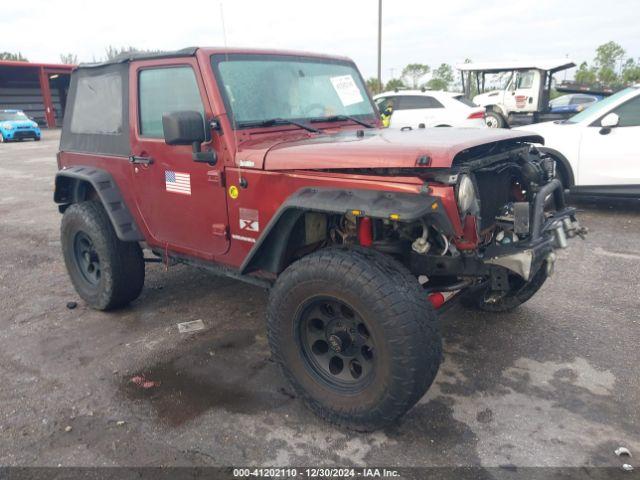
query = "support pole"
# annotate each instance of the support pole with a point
(49, 114)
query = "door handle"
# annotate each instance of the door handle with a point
(140, 160)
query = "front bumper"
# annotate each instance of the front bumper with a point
(20, 134)
(546, 233)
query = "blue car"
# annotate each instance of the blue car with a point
(573, 103)
(15, 125)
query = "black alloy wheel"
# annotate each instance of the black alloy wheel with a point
(87, 258)
(337, 345)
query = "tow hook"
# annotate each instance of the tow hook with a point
(560, 236)
(551, 263)
(567, 228)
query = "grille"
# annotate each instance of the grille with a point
(24, 134)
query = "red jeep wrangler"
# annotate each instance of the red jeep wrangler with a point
(271, 168)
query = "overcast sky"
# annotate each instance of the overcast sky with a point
(414, 31)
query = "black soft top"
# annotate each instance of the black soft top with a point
(96, 119)
(132, 56)
(97, 114)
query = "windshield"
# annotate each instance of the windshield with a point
(257, 88)
(11, 116)
(559, 101)
(601, 105)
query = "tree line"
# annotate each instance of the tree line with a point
(412, 76)
(610, 67)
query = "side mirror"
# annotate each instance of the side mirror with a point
(187, 128)
(610, 120)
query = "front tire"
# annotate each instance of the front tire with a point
(354, 335)
(105, 271)
(494, 120)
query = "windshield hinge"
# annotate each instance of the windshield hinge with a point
(216, 177)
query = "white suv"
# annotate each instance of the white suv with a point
(596, 151)
(417, 108)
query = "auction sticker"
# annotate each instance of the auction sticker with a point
(347, 90)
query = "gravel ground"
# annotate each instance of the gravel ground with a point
(555, 383)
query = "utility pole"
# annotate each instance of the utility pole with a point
(380, 42)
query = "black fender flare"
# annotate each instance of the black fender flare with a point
(269, 251)
(564, 164)
(71, 187)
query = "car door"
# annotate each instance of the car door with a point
(523, 91)
(413, 110)
(610, 157)
(182, 202)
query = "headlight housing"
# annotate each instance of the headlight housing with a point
(7, 126)
(466, 195)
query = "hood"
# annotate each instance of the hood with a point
(553, 132)
(379, 148)
(545, 128)
(488, 98)
(20, 123)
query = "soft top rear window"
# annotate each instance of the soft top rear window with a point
(96, 118)
(97, 107)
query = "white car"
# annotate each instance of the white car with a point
(596, 151)
(417, 108)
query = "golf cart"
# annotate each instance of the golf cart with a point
(513, 93)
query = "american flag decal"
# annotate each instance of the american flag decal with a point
(177, 182)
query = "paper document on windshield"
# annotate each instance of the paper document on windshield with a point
(347, 90)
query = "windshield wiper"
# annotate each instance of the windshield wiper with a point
(339, 118)
(279, 121)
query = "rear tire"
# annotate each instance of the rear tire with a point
(105, 271)
(354, 335)
(520, 292)
(494, 120)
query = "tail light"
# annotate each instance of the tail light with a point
(476, 115)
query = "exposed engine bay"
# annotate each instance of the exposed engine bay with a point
(508, 202)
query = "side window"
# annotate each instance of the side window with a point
(581, 100)
(163, 90)
(413, 102)
(525, 80)
(629, 113)
(382, 103)
(563, 100)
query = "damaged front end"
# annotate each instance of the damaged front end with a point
(513, 217)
